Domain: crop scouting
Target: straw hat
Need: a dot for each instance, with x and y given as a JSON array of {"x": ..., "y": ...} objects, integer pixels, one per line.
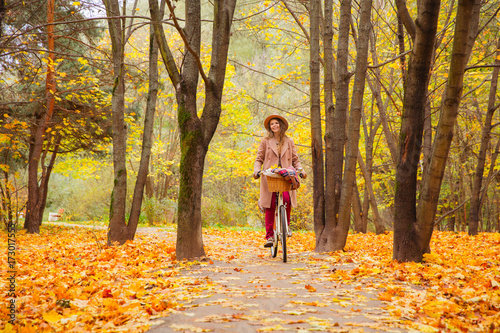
[{"x": 274, "y": 116}]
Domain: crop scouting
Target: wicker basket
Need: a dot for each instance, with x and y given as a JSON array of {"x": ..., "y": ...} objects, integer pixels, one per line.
[{"x": 278, "y": 184}]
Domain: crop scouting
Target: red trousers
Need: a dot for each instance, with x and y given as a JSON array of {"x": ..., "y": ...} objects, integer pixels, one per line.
[{"x": 270, "y": 213}]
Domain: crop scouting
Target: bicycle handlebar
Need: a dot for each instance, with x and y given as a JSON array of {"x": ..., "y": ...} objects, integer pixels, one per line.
[{"x": 301, "y": 175}]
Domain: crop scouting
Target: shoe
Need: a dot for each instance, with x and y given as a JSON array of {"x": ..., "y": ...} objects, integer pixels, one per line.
[
  {"x": 289, "y": 233},
  {"x": 269, "y": 242}
]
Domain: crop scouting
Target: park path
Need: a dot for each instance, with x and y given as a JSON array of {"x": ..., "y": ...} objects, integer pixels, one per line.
[
  {"x": 248, "y": 291},
  {"x": 240, "y": 288}
]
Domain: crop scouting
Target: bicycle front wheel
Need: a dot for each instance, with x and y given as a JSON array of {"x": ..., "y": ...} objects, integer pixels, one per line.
[
  {"x": 274, "y": 247},
  {"x": 284, "y": 226}
]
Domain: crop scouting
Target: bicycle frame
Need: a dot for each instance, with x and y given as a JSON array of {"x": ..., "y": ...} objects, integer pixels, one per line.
[{"x": 280, "y": 234}]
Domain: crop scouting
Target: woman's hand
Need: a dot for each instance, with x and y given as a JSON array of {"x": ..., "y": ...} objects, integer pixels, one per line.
[
  {"x": 302, "y": 173},
  {"x": 256, "y": 175}
]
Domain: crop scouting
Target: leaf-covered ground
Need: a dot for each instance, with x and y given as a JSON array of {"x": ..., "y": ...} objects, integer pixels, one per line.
[{"x": 68, "y": 280}]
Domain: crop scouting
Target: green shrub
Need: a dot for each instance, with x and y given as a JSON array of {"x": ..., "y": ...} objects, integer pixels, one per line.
[
  {"x": 157, "y": 211},
  {"x": 218, "y": 211},
  {"x": 81, "y": 199}
]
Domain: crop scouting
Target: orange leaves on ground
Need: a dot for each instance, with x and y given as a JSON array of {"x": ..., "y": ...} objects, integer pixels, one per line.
[
  {"x": 69, "y": 280},
  {"x": 456, "y": 286}
]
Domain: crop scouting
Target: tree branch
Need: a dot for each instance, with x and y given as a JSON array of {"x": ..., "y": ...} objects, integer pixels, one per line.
[
  {"x": 165, "y": 52},
  {"x": 406, "y": 18},
  {"x": 272, "y": 77},
  {"x": 186, "y": 43},
  {"x": 390, "y": 60},
  {"x": 481, "y": 66}
]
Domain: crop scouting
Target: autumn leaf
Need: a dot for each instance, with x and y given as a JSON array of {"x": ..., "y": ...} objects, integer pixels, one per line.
[
  {"x": 310, "y": 288},
  {"x": 52, "y": 317}
]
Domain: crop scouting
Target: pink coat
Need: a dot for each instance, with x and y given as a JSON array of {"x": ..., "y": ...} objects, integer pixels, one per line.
[{"x": 267, "y": 156}]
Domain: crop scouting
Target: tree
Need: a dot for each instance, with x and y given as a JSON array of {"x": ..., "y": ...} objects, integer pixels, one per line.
[
  {"x": 36, "y": 194},
  {"x": 147, "y": 141},
  {"x": 413, "y": 228},
  {"x": 119, "y": 230},
  {"x": 36, "y": 38},
  {"x": 195, "y": 132},
  {"x": 475, "y": 204},
  {"x": 405, "y": 234},
  {"x": 334, "y": 235},
  {"x": 316, "y": 137}
]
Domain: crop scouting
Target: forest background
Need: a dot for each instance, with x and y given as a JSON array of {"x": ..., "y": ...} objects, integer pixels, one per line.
[{"x": 268, "y": 72}]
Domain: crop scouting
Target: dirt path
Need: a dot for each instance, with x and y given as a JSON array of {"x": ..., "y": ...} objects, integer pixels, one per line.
[{"x": 253, "y": 292}]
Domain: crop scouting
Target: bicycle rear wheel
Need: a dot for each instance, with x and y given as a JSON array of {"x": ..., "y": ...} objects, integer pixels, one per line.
[{"x": 283, "y": 235}]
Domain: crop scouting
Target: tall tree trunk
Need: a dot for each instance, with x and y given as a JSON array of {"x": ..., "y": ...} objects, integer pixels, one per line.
[
  {"x": 335, "y": 239},
  {"x": 377, "y": 220},
  {"x": 316, "y": 136},
  {"x": 485, "y": 142},
  {"x": 329, "y": 179},
  {"x": 359, "y": 225},
  {"x": 193, "y": 150},
  {"x": 406, "y": 237},
  {"x": 195, "y": 132},
  {"x": 33, "y": 213},
  {"x": 491, "y": 174},
  {"x": 46, "y": 172},
  {"x": 117, "y": 231},
  {"x": 335, "y": 130},
  {"x": 453, "y": 93},
  {"x": 147, "y": 139},
  {"x": 375, "y": 87}
]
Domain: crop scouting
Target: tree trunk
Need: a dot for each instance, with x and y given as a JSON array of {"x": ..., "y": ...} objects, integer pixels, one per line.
[
  {"x": 33, "y": 214},
  {"x": 316, "y": 136},
  {"x": 359, "y": 225},
  {"x": 407, "y": 243},
  {"x": 333, "y": 239},
  {"x": 453, "y": 93},
  {"x": 375, "y": 87},
  {"x": 329, "y": 178},
  {"x": 117, "y": 231},
  {"x": 335, "y": 130},
  {"x": 147, "y": 139},
  {"x": 485, "y": 142},
  {"x": 46, "y": 172},
  {"x": 195, "y": 132},
  {"x": 493, "y": 159},
  {"x": 377, "y": 220}
]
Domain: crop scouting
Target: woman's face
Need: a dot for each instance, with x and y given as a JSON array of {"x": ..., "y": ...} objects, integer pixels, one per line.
[{"x": 274, "y": 125}]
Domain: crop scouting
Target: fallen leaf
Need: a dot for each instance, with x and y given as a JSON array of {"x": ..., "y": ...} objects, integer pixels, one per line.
[{"x": 310, "y": 288}]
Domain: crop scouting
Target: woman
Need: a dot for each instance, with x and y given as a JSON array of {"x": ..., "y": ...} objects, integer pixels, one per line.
[{"x": 275, "y": 150}]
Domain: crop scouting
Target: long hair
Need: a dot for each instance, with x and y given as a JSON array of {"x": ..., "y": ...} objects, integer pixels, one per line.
[{"x": 281, "y": 134}]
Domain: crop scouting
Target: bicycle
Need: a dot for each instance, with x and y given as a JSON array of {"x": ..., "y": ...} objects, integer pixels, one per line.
[{"x": 278, "y": 184}]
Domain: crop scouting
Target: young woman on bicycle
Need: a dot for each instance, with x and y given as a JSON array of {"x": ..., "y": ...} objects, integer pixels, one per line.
[{"x": 276, "y": 149}]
